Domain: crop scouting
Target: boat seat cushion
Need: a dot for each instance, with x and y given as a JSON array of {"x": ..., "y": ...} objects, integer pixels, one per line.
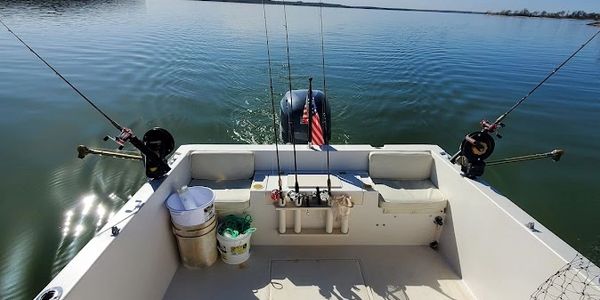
[
  {"x": 230, "y": 165},
  {"x": 400, "y": 165},
  {"x": 403, "y": 180},
  {"x": 230, "y": 194},
  {"x": 409, "y": 196}
]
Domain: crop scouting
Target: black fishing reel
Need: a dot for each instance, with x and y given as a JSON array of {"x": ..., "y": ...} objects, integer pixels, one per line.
[
  {"x": 474, "y": 149},
  {"x": 160, "y": 142},
  {"x": 155, "y": 146}
]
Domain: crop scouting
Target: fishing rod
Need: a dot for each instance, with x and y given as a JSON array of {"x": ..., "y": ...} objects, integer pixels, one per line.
[
  {"x": 295, "y": 197},
  {"x": 308, "y": 109},
  {"x": 151, "y": 148},
  {"x": 504, "y": 115},
  {"x": 478, "y": 146},
  {"x": 316, "y": 136},
  {"x": 275, "y": 194},
  {"x": 325, "y": 103}
]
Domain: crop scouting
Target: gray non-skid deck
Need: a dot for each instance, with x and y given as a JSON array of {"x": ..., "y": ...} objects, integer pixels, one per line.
[{"x": 332, "y": 272}]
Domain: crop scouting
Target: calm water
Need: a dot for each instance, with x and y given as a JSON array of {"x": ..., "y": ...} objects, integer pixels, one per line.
[{"x": 199, "y": 69}]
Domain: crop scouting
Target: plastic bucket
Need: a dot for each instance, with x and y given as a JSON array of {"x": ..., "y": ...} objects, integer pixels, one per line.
[
  {"x": 234, "y": 250},
  {"x": 197, "y": 248},
  {"x": 204, "y": 199}
]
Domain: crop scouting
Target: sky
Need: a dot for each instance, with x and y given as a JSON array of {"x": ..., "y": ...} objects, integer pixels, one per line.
[{"x": 482, "y": 5}]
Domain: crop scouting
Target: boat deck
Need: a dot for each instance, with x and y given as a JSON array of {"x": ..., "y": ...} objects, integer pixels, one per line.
[{"x": 331, "y": 272}]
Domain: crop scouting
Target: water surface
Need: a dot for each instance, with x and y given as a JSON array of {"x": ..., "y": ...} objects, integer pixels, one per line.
[{"x": 199, "y": 69}]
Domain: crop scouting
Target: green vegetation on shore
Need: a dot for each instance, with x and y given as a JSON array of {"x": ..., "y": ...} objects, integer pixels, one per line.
[{"x": 579, "y": 14}]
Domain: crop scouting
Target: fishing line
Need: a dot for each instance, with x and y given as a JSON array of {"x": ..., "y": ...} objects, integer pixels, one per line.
[
  {"x": 504, "y": 115},
  {"x": 291, "y": 103},
  {"x": 114, "y": 123},
  {"x": 275, "y": 132},
  {"x": 325, "y": 103}
]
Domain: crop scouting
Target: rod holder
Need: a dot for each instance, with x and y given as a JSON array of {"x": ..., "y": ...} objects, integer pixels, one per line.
[
  {"x": 555, "y": 155},
  {"x": 83, "y": 151},
  {"x": 329, "y": 221},
  {"x": 297, "y": 221},
  {"x": 282, "y": 221}
]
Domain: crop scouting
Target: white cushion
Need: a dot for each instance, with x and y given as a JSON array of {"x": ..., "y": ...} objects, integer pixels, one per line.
[
  {"x": 222, "y": 165},
  {"x": 400, "y": 165},
  {"x": 409, "y": 196},
  {"x": 229, "y": 194}
]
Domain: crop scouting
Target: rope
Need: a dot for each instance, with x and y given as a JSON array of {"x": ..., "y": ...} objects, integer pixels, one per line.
[{"x": 233, "y": 226}]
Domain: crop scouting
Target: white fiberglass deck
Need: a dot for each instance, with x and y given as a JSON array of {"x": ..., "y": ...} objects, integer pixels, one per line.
[{"x": 332, "y": 272}]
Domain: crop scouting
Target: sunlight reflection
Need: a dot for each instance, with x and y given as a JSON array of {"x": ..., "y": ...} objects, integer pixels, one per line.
[
  {"x": 67, "y": 223},
  {"x": 88, "y": 202},
  {"x": 80, "y": 222},
  {"x": 78, "y": 229},
  {"x": 113, "y": 197},
  {"x": 100, "y": 211}
]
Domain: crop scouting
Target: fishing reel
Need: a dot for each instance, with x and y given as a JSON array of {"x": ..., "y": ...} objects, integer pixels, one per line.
[
  {"x": 492, "y": 127},
  {"x": 296, "y": 197},
  {"x": 156, "y": 144},
  {"x": 324, "y": 197},
  {"x": 161, "y": 143},
  {"x": 122, "y": 138},
  {"x": 278, "y": 198},
  {"x": 474, "y": 149}
]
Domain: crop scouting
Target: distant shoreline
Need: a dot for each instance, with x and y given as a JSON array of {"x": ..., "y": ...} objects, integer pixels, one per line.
[
  {"x": 333, "y": 5},
  {"x": 577, "y": 15}
]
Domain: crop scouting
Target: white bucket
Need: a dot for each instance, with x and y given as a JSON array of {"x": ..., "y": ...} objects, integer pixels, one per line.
[
  {"x": 234, "y": 251},
  {"x": 204, "y": 199}
]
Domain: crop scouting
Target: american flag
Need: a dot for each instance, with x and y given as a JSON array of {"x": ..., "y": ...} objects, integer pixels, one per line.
[
  {"x": 304, "y": 119},
  {"x": 316, "y": 132}
]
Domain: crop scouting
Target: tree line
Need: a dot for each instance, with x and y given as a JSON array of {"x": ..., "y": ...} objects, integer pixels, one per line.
[{"x": 578, "y": 14}]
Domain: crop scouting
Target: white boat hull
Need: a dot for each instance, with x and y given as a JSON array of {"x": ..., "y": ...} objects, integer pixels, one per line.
[{"x": 483, "y": 243}]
